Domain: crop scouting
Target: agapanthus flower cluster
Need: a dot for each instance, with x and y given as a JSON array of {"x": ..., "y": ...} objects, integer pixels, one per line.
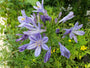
[{"x": 39, "y": 42}]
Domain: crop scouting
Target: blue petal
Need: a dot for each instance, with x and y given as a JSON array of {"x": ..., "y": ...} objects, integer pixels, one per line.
[
  {"x": 45, "y": 39},
  {"x": 80, "y": 26},
  {"x": 79, "y": 32},
  {"x": 39, "y": 26},
  {"x": 42, "y": 18},
  {"x": 23, "y": 12},
  {"x": 67, "y": 31},
  {"x": 60, "y": 14},
  {"x": 29, "y": 26},
  {"x": 31, "y": 46},
  {"x": 45, "y": 47},
  {"x": 37, "y": 51},
  {"x": 47, "y": 55},
  {"x": 30, "y": 32},
  {"x": 21, "y": 25},
  {"x": 38, "y": 4},
  {"x": 71, "y": 35},
  {"x": 42, "y": 3},
  {"x": 18, "y": 39},
  {"x": 75, "y": 38},
  {"x": 38, "y": 36},
  {"x": 69, "y": 16},
  {"x": 76, "y": 24},
  {"x": 35, "y": 7},
  {"x": 32, "y": 38},
  {"x": 22, "y": 48},
  {"x": 76, "y": 27}
]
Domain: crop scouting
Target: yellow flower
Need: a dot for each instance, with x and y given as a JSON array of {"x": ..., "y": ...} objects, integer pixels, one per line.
[
  {"x": 85, "y": 66},
  {"x": 69, "y": 40},
  {"x": 80, "y": 57},
  {"x": 83, "y": 48},
  {"x": 54, "y": 50}
]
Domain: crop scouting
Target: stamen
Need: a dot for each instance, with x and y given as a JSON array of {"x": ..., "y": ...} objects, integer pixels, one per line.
[
  {"x": 23, "y": 19},
  {"x": 38, "y": 43},
  {"x": 38, "y": 6}
]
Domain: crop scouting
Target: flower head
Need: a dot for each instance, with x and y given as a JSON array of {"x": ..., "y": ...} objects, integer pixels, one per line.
[
  {"x": 69, "y": 40},
  {"x": 69, "y": 16},
  {"x": 83, "y": 48},
  {"x": 64, "y": 51},
  {"x": 39, "y": 7},
  {"x": 37, "y": 42},
  {"x": 74, "y": 30},
  {"x": 23, "y": 19},
  {"x": 47, "y": 56}
]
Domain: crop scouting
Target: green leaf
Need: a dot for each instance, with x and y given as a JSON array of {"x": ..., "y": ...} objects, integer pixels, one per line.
[{"x": 31, "y": 2}]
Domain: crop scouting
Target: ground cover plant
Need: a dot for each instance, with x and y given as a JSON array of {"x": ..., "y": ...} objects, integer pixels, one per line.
[{"x": 58, "y": 34}]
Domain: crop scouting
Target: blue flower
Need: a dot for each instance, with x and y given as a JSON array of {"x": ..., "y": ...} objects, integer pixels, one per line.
[
  {"x": 47, "y": 55},
  {"x": 23, "y": 19},
  {"x": 74, "y": 30},
  {"x": 37, "y": 42},
  {"x": 64, "y": 51},
  {"x": 39, "y": 7},
  {"x": 69, "y": 16}
]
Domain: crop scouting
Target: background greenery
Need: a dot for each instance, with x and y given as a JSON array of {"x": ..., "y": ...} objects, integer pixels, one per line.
[{"x": 11, "y": 9}]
